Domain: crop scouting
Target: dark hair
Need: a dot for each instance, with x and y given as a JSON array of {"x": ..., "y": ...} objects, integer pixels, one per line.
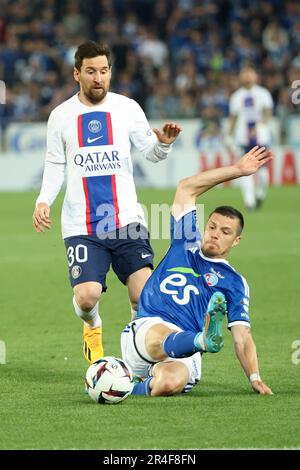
[
  {"x": 91, "y": 49},
  {"x": 232, "y": 213}
]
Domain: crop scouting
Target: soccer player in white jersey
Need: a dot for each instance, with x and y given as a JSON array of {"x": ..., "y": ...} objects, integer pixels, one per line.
[
  {"x": 184, "y": 302},
  {"x": 250, "y": 109},
  {"x": 89, "y": 137}
]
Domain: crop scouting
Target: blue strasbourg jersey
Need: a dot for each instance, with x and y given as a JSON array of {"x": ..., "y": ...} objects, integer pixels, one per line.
[{"x": 181, "y": 286}]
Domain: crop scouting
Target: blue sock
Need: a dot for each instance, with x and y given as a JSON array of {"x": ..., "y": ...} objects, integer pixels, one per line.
[
  {"x": 181, "y": 344},
  {"x": 142, "y": 388}
]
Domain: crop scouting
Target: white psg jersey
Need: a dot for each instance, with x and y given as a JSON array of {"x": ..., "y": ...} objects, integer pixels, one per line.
[
  {"x": 93, "y": 143},
  {"x": 248, "y": 106}
]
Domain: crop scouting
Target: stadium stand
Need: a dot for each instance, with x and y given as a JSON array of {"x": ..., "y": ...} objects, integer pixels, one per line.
[{"x": 175, "y": 57}]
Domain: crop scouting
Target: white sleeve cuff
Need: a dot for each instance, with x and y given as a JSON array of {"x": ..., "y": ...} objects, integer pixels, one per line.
[
  {"x": 186, "y": 211},
  {"x": 42, "y": 198},
  {"x": 159, "y": 152},
  {"x": 238, "y": 322}
]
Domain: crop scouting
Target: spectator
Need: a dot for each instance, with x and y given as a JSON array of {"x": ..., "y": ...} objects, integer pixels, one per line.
[{"x": 194, "y": 44}]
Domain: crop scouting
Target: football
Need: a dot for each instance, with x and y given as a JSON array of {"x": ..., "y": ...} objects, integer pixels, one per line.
[{"x": 109, "y": 380}]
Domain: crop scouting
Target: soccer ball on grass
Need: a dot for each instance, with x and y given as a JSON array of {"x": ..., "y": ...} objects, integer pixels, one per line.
[{"x": 109, "y": 380}]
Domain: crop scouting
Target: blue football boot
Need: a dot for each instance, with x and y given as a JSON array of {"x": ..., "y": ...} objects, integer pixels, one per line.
[{"x": 212, "y": 334}]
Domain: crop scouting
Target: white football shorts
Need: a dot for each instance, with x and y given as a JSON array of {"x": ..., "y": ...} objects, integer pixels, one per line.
[{"x": 138, "y": 359}]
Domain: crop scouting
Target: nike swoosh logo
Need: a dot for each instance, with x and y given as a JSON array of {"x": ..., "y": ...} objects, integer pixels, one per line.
[
  {"x": 144, "y": 255},
  {"x": 89, "y": 140}
]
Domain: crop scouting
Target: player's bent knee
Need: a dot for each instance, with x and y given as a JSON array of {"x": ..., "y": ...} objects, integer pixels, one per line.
[
  {"x": 154, "y": 347},
  {"x": 86, "y": 301},
  {"x": 154, "y": 341},
  {"x": 168, "y": 383},
  {"x": 172, "y": 386},
  {"x": 87, "y": 297},
  {"x": 87, "y": 304}
]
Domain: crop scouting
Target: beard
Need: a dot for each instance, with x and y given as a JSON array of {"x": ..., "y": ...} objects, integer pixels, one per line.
[
  {"x": 95, "y": 95},
  {"x": 210, "y": 250}
]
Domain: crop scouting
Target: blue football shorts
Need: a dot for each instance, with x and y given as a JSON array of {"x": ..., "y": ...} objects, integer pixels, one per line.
[{"x": 126, "y": 249}]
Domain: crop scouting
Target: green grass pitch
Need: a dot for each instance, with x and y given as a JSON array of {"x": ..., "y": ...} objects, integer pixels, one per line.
[{"x": 43, "y": 404}]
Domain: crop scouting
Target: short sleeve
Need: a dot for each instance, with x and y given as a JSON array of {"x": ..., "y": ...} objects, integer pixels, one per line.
[
  {"x": 184, "y": 228},
  {"x": 238, "y": 299}
]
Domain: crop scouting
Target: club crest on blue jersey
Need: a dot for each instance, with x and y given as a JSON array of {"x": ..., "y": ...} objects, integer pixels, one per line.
[
  {"x": 211, "y": 279},
  {"x": 94, "y": 129}
]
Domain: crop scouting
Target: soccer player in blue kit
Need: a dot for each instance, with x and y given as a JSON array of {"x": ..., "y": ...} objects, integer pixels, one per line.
[{"x": 184, "y": 302}]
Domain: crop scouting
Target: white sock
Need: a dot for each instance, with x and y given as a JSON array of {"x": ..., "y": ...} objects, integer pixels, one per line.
[
  {"x": 200, "y": 340},
  {"x": 91, "y": 318},
  {"x": 263, "y": 183},
  {"x": 133, "y": 314},
  {"x": 248, "y": 190}
]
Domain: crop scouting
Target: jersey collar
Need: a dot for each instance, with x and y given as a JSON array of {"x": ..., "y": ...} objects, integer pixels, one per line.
[{"x": 213, "y": 260}]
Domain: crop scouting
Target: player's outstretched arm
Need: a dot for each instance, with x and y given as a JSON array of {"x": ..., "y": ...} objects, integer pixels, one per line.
[
  {"x": 41, "y": 217},
  {"x": 190, "y": 188},
  {"x": 245, "y": 350},
  {"x": 169, "y": 133}
]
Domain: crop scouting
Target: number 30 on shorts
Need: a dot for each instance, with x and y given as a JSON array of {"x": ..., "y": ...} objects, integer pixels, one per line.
[{"x": 78, "y": 254}]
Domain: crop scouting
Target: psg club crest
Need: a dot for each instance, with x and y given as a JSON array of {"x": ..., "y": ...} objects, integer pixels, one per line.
[
  {"x": 94, "y": 129},
  {"x": 94, "y": 126},
  {"x": 76, "y": 272},
  {"x": 211, "y": 279}
]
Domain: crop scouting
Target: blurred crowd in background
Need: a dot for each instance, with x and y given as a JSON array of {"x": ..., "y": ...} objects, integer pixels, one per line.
[{"x": 177, "y": 58}]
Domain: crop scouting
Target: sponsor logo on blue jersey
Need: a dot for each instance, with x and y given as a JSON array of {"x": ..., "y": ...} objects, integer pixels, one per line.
[
  {"x": 94, "y": 129},
  {"x": 217, "y": 273}
]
